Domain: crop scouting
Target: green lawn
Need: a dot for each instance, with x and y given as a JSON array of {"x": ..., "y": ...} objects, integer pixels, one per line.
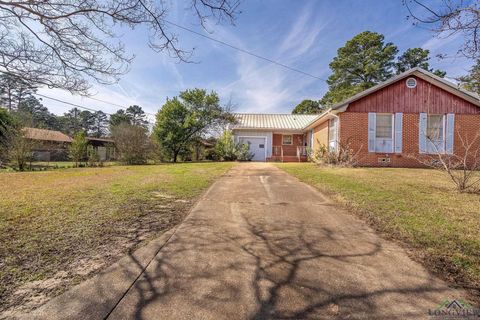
[
  {"x": 417, "y": 206},
  {"x": 61, "y": 226}
]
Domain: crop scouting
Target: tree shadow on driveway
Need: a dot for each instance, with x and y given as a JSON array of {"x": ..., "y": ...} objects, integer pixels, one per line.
[{"x": 278, "y": 269}]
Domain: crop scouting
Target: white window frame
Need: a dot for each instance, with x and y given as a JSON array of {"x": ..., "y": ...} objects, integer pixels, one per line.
[
  {"x": 333, "y": 141},
  {"x": 431, "y": 148},
  {"x": 283, "y": 139},
  {"x": 392, "y": 149}
]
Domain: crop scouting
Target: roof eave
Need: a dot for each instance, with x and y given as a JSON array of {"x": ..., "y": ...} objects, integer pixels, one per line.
[{"x": 328, "y": 114}]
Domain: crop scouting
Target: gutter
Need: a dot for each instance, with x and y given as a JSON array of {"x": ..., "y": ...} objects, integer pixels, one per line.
[{"x": 329, "y": 112}]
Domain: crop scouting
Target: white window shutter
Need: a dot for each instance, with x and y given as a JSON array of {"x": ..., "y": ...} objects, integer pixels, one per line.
[
  {"x": 450, "y": 133},
  {"x": 371, "y": 131},
  {"x": 398, "y": 132},
  {"x": 422, "y": 129}
]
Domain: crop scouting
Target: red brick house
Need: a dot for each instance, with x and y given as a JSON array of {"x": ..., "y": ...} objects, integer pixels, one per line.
[{"x": 395, "y": 122}]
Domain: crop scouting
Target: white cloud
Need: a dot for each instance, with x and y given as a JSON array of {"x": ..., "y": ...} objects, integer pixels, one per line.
[
  {"x": 263, "y": 87},
  {"x": 303, "y": 34},
  {"x": 440, "y": 41}
]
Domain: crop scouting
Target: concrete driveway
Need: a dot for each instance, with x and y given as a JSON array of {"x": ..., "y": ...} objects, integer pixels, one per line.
[{"x": 262, "y": 245}]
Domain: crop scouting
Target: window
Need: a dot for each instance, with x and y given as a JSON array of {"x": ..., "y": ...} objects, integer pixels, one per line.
[
  {"x": 384, "y": 133},
  {"x": 332, "y": 134},
  {"x": 287, "y": 139},
  {"x": 435, "y": 133}
]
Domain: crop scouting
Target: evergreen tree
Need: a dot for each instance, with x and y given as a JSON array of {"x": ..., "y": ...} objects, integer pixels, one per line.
[
  {"x": 137, "y": 116},
  {"x": 471, "y": 81},
  {"x": 363, "y": 62},
  {"x": 308, "y": 107},
  {"x": 416, "y": 57}
]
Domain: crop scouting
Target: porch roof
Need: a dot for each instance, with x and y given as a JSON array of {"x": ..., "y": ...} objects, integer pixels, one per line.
[{"x": 273, "y": 121}]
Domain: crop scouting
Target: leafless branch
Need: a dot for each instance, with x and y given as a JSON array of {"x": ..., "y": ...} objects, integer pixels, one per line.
[
  {"x": 462, "y": 166},
  {"x": 68, "y": 43},
  {"x": 452, "y": 17}
]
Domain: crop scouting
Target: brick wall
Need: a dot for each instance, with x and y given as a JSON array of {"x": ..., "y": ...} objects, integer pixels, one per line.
[
  {"x": 288, "y": 150},
  {"x": 354, "y": 134}
]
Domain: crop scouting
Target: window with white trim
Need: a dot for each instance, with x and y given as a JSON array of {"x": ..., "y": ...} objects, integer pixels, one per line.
[
  {"x": 384, "y": 132},
  {"x": 435, "y": 133},
  {"x": 287, "y": 139}
]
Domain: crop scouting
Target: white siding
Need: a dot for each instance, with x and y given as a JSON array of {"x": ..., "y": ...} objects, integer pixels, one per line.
[{"x": 256, "y": 133}]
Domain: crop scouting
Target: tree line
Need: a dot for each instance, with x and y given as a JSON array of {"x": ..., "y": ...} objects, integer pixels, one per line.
[
  {"x": 18, "y": 97},
  {"x": 182, "y": 124}
]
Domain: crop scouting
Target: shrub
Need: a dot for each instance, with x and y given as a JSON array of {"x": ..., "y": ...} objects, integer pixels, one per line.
[
  {"x": 132, "y": 143},
  {"x": 19, "y": 148},
  {"x": 344, "y": 156},
  {"x": 78, "y": 148},
  {"x": 243, "y": 152},
  {"x": 225, "y": 148},
  {"x": 93, "y": 157},
  {"x": 211, "y": 154}
]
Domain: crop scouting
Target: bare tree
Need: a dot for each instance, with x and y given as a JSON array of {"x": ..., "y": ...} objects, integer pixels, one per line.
[
  {"x": 132, "y": 143},
  {"x": 343, "y": 155},
  {"x": 462, "y": 167},
  {"x": 19, "y": 148},
  {"x": 66, "y": 43},
  {"x": 449, "y": 18}
]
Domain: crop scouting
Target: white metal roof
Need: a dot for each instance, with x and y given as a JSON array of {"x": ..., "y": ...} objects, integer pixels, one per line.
[{"x": 273, "y": 121}]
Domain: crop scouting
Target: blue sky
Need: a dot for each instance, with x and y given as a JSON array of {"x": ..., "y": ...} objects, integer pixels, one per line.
[{"x": 301, "y": 34}]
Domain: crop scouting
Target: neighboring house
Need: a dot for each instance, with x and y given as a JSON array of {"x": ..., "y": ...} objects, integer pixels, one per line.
[
  {"x": 53, "y": 145},
  {"x": 50, "y": 145},
  {"x": 396, "y": 122}
]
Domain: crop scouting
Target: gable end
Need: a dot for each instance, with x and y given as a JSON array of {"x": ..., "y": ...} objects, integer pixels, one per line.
[{"x": 425, "y": 97}]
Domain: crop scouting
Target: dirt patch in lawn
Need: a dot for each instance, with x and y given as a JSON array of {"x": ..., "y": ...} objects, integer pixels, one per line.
[
  {"x": 154, "y": 220},
  {"x": 60, "y": 228}
]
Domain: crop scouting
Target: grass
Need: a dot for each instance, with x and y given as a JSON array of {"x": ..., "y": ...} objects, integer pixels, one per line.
[
  {"x": 418, "y": 206},
  {"x": 74, "y": 220}
]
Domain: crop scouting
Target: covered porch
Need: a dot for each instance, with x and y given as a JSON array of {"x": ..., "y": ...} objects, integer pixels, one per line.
[{"x": 290, "y": 147}]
